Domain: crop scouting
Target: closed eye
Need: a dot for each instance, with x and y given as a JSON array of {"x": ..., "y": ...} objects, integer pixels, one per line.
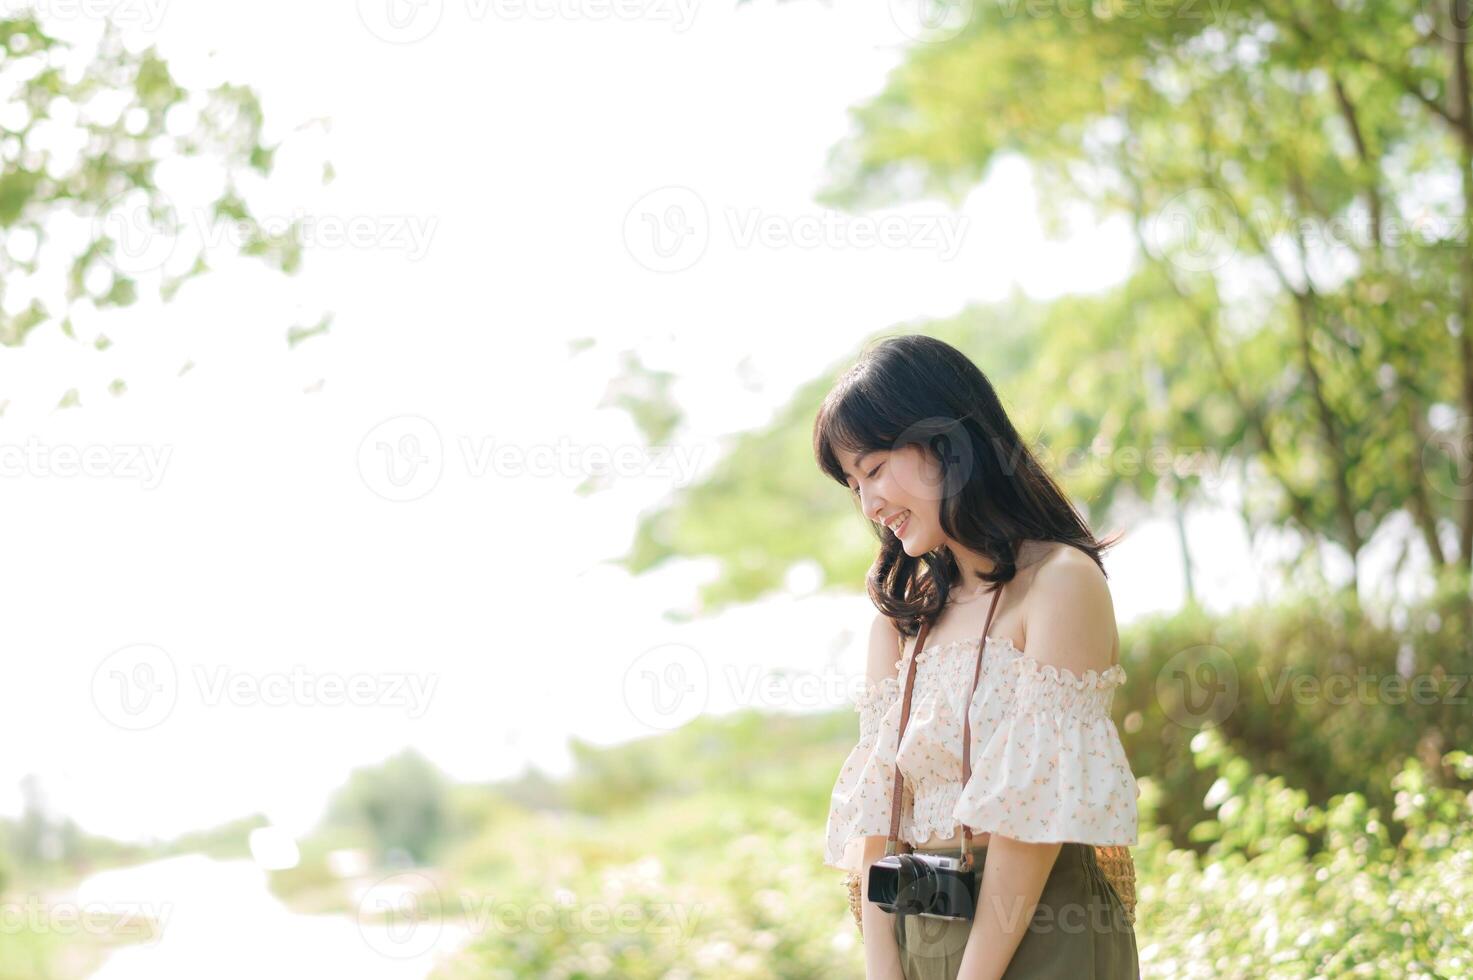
[{"x": 870, "y": 474}]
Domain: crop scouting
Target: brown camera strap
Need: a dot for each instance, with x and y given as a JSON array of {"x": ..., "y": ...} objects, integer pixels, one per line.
[{"x": 910, "y": 677}]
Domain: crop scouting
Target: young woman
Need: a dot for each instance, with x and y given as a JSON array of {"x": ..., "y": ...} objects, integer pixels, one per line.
[{"x": 970, "y": 524}]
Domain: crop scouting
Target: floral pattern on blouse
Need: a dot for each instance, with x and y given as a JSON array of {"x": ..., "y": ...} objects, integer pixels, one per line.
[{"x": 1047, "y": 761}]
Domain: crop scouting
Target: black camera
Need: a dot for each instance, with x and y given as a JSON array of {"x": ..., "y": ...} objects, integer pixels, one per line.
[{"x": 932, "y": 885}]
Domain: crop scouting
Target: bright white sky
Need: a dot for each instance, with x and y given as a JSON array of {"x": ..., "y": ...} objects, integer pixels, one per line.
[{"x": 520, "y": 146}]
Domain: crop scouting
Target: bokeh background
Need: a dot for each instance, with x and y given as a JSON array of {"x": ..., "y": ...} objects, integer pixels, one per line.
[{"x": 415, "y": 561}]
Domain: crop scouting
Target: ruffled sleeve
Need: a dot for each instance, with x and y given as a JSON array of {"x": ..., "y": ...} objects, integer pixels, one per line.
[
  {"x": 860, "y": 806},
  {"x": 1053, "y": 769}
]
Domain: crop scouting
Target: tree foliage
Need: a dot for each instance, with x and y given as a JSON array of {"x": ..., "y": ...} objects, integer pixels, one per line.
[
  {"x": 1298, "y": 179},
  {"x": 85, "y": 221},
  {"x": 401, "y": 804}
]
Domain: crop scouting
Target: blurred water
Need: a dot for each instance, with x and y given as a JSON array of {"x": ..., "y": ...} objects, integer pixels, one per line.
[{"x": 219, "y": 919}]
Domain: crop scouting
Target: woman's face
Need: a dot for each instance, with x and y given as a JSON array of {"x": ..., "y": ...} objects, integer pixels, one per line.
[{"x": 900, "y": 489}]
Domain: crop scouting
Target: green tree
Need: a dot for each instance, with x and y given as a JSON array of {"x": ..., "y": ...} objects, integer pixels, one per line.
[
  {"x": 402, "y": 805},
  {"x": 1299, "y": 181},
  {"x": 1280, "y": 164},
  {"x": 128, "y": 115}
]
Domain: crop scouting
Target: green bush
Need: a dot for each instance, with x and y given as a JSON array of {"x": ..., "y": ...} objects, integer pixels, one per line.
[
  {"x": 1326, "y": 739},
  {"x": 1259, "y": 903},
  {"x": 402, "y": 804},
  {"x": 722, "y": 883}
]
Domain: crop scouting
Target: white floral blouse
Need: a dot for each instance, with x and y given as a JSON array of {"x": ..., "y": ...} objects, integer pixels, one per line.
[{"x": 1047, "y": 762}]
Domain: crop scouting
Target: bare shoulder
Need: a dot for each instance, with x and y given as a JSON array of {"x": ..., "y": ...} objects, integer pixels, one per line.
[
  {"x": 884, "y": 648},
  {"x": 1070, "y": 616}
]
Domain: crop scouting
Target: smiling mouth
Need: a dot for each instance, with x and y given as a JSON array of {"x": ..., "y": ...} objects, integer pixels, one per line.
[{"x": 895, "y": 529}]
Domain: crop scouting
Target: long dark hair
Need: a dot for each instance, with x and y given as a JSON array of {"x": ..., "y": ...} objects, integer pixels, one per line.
[{"x": 917, "y": 390}]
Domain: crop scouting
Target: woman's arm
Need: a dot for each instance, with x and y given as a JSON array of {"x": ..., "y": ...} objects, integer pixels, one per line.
[
  {"x": 881, "y": 955},
  {"x": 1012, "y": 881},
  {"x": 1070, "y": 625}
]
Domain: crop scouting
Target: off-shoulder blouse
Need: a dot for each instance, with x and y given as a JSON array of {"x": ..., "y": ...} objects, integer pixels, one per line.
[{"x": 1047, "y": 761}]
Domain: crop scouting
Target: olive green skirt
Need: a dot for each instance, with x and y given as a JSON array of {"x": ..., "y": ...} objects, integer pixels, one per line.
[{"x": 1078, "y": 931}]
